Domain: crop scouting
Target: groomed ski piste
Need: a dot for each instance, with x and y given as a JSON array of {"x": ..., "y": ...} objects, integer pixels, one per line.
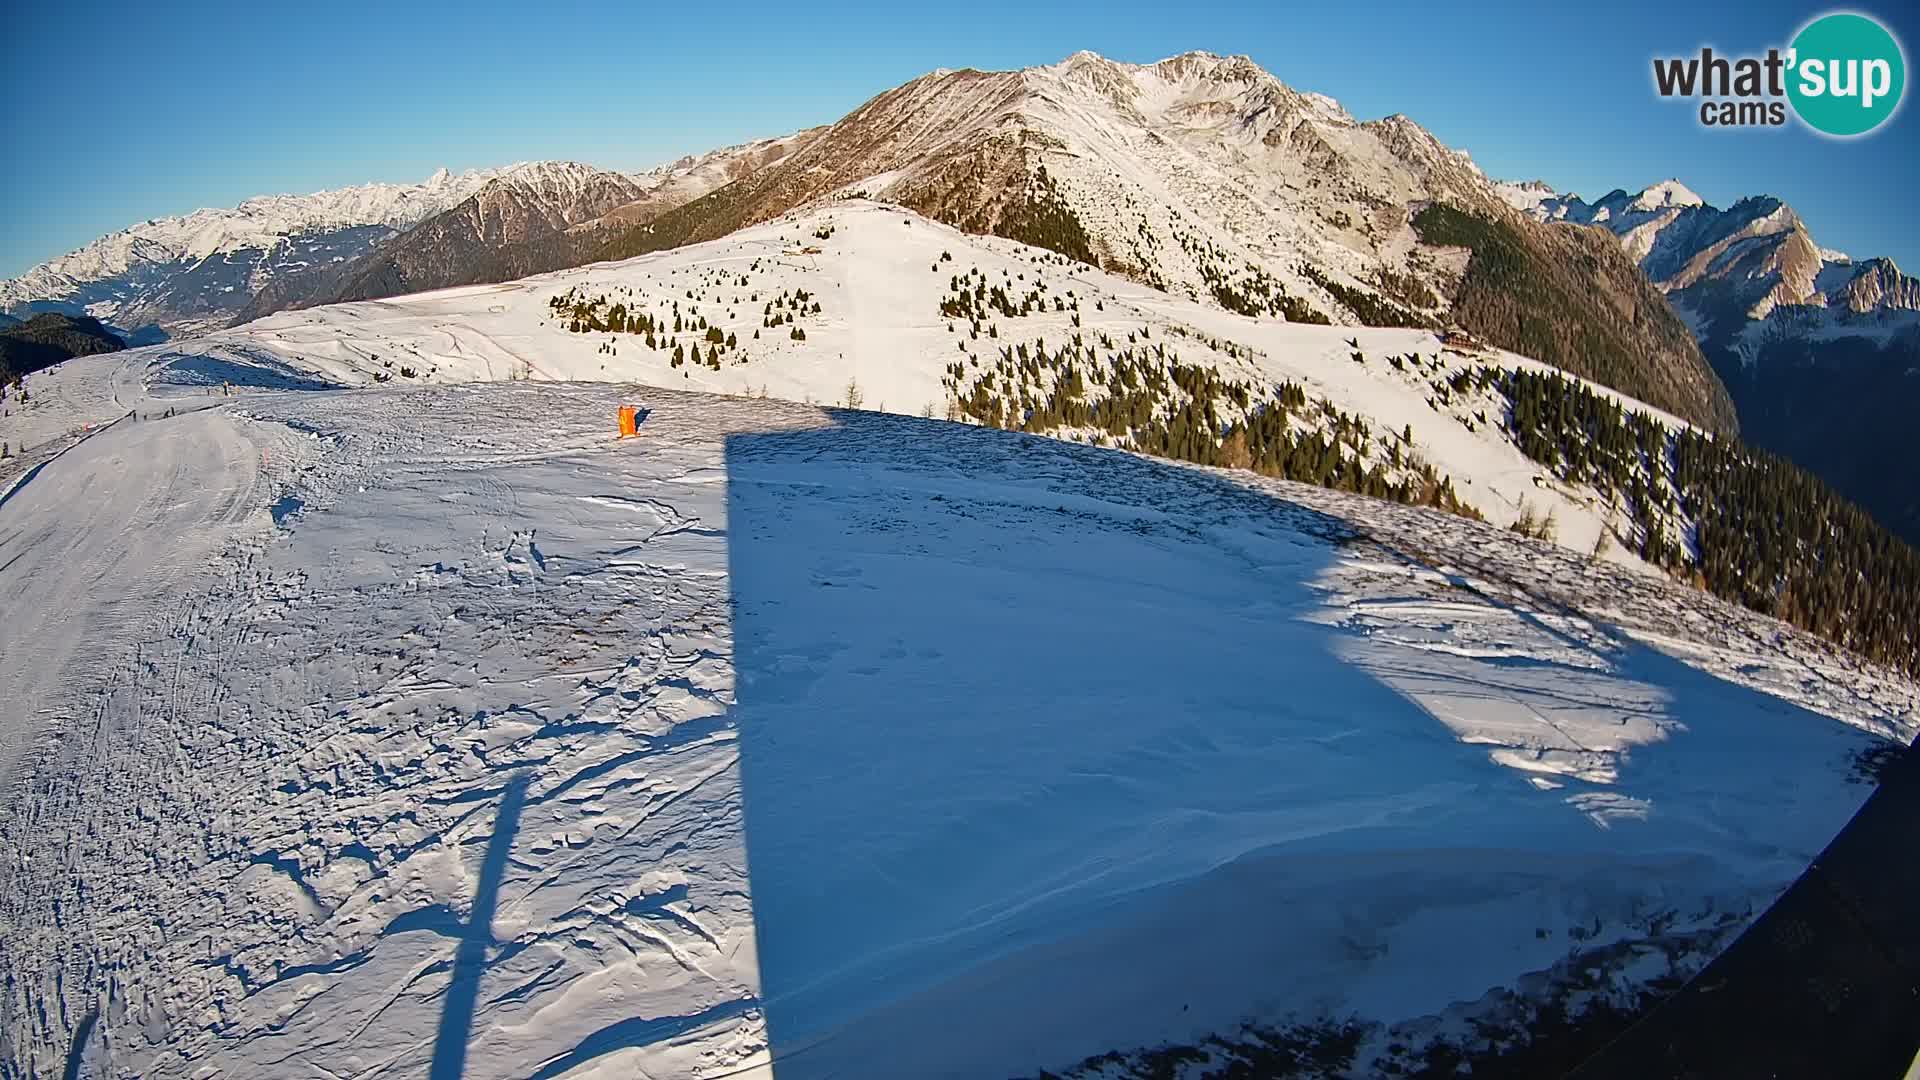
[{"x": 363, "y": 729}]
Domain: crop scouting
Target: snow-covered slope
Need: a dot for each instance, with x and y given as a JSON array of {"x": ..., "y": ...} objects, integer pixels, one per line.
[
  {"x": 448, "y": 736},
  {"x": 879, "y": 276},
  {"x": 687, "y": 178},
  {"x": 1208, "y": 178},
  {"x": 193, "y": 271}
]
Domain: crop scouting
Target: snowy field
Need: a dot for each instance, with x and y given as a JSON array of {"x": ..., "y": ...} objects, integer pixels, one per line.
[
  {"x": 431, "y": 732},
  {"x": 879, "y": 275}
]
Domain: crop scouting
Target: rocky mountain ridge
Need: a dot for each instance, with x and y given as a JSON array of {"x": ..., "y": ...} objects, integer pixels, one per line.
[{"x": 1207, "y": 177}]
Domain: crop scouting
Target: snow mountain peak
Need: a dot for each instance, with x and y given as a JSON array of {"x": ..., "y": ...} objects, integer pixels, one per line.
[
  {"x": 1667, "y": 193},
  {"x": 566, "y": 191},
  {"x": 1726, "y": 269},
  {"x": 1199, "y": 175}
]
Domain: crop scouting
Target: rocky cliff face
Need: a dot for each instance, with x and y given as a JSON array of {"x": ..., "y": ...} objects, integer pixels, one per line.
[{"x": 1726, "y": 268}]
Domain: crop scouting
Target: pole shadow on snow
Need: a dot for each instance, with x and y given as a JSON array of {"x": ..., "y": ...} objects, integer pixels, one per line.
[
  {"x": 470, "y": 960},
  {"x": 1065, "y": 730}
]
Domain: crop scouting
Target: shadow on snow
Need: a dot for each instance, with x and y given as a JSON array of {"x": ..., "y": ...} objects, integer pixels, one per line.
[
  {"x": 1063, "y": 731},
  {"x": 470, "y": 959}
]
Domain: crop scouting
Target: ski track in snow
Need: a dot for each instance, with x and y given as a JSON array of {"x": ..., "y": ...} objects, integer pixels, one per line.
[
  {"x": 122, "y": 508},
  {"x": 830, "y": 739}
]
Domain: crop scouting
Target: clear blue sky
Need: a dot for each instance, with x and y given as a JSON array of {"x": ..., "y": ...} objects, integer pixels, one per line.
[{"x": 119, "y": 112}]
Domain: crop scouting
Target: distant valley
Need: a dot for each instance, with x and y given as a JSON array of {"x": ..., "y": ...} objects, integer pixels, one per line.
[{"x": 1820, "y": 350}]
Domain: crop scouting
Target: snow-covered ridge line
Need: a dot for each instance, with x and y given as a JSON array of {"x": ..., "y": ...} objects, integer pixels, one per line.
[
  {"x": 256, "y": 222},
  {"x": 262, "y": 220},
  {"x": 189, "y": 274}
]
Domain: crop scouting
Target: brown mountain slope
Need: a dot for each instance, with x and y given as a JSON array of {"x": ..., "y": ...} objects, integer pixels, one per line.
[{"x": 1207, "y": 177}]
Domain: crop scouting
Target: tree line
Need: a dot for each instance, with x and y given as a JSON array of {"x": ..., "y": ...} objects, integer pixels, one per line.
[{"x": 1747, "y": 525}]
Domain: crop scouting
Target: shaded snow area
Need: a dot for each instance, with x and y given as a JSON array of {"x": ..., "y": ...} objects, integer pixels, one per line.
[{"x": 432, "y": 732}]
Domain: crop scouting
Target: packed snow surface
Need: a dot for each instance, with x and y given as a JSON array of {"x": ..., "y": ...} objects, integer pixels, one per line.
[{"x": 434, "y": 732}]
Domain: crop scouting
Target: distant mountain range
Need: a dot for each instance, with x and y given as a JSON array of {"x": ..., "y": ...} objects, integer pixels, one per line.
[
  {"x": 1203, "y": 176},
  {"x": 532, "y": 218},
  {"x": 1727, "y": 269},
  {"x": 209, "y": 269},
  {"x": 497, "y": 233},
  {"x": 182, "y": 274},
  {"x": 1821, "y": 351}
]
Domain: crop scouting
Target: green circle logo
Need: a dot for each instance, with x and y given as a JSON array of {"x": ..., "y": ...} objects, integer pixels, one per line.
[{"x": 1847, "y": 74}]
